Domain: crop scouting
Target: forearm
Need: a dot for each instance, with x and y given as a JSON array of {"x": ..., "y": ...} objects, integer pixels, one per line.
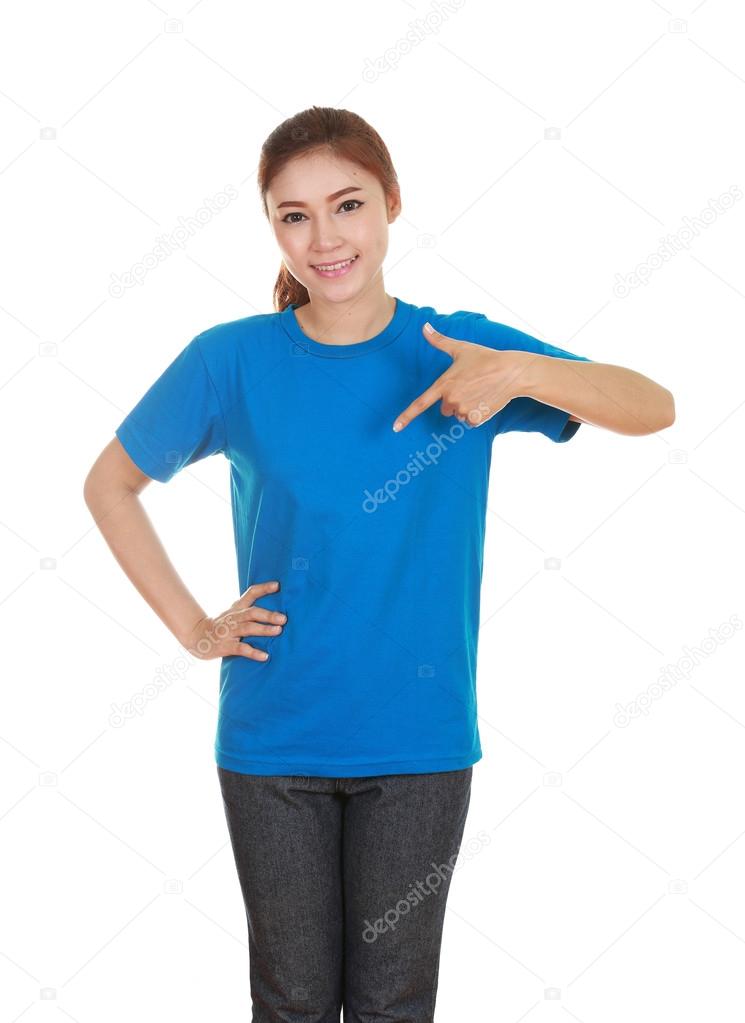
[
  {"x": 613, "y": 397},
  {"x": 127, "y": 529}
]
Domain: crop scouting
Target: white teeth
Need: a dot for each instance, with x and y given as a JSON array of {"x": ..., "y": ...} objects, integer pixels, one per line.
[{"x": 335, "y": 266}]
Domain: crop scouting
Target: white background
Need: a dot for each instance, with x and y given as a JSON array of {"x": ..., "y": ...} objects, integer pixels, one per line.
[{"x": 543, "y": 151}]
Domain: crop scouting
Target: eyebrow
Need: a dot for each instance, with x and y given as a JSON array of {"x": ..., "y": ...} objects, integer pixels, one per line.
[{"x": 330, "y": 198}]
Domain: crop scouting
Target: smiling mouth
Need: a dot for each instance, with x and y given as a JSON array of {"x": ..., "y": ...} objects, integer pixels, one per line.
[{"x": 333, "y": 266}]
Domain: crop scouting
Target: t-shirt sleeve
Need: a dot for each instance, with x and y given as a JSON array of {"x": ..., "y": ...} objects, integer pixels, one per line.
[
  {"x": 177, "y": 421},
  {"x": 524, "y": 413}
]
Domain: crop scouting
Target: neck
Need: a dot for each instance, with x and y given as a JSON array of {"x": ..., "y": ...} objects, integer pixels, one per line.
[{"x": 344, "y": 323}]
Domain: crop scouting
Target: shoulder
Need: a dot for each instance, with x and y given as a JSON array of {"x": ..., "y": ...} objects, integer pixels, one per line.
[
  {"x": 460, "y": 323},
  {"x": 221, "y": 342},
  {"x": 235, "y": 331},
  {"x": 469, "y": 325}
]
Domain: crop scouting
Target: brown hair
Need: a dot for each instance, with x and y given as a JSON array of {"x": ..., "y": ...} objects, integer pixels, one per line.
[{"x": 344, "y": 134}]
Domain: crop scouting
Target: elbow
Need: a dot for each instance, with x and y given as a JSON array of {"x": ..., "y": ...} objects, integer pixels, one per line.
[
  {"x": 102, "y": 490},
  {"x": 92, "y": 493},
  {"x": 94, "y": 485},
  {"x": 88, "y": 488},
  {"x": 668, "y": 410},
  {"x": 658, "y": 416}
]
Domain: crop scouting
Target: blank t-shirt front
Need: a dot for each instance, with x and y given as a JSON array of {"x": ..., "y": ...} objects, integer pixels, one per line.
[{"x": 376, "y": 537}]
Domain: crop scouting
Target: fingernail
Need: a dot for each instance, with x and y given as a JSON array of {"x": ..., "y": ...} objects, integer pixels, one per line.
[
  {"x": 397, "y": 426},
  {"x": 429, "y": 328}
]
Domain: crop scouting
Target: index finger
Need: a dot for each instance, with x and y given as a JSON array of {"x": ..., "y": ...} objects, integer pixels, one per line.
[
  {"x": 425, "y": 400},
  {"x": 256, "y": 590}
]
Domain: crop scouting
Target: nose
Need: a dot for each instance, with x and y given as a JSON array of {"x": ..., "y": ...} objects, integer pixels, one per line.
[{"x": 324, "y": 236}]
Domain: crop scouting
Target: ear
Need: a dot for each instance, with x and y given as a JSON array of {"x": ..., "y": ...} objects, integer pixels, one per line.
[{"x": 393, "y": 202}]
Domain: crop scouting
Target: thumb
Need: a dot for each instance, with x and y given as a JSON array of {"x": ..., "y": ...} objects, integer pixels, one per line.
[{"x": 441, "y": 341}]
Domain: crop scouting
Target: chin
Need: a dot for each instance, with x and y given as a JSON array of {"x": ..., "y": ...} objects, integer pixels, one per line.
[{"x": 333, "y": 290}]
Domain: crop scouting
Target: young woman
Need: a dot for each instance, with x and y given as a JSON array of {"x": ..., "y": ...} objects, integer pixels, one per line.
[{"x": 360, "y": 443}]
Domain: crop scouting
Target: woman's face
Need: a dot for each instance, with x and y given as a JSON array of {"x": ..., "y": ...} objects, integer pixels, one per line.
[{"x": 313, "y": 229}]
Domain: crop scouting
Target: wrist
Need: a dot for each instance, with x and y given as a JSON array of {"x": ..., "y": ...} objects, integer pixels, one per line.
[
  {"x": 186, "y": 636},
  {"x": 529, "y": 372}
]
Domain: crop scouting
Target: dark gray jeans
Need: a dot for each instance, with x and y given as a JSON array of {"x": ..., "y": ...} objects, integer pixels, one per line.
[{"x": 344, "y": 882}]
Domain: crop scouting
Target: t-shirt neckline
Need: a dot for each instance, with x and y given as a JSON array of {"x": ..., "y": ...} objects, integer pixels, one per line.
[{"x": 389, "y": 333}]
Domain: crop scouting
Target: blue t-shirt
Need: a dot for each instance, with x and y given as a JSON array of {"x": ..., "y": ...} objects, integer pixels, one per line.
[{"x": 376, "y": 537}]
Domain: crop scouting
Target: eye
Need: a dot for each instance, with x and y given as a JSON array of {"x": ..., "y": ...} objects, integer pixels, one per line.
[{"x": 346, "y": 202}]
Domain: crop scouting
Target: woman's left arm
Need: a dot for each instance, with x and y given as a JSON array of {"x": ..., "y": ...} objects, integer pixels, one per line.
[
  {"x": 481, "y": 381},
  {"x": 598, "y": 393}
]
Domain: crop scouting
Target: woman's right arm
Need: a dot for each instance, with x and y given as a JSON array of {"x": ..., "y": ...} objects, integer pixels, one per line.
[{"x": 111, "y": 492}]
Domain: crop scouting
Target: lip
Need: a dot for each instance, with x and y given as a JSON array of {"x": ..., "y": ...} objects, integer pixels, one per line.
[{"x": 336, "y": 273}]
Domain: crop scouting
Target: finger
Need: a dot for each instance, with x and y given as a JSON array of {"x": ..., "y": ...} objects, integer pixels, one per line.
[
  {"x": 240, "y": 649},
  {"x": 441, "y": 341},
  {"x": 425, "y": 400},
  {"x": 257, "y": 614},
  {"x": 257, "y": 629},
  {"x": 246, "y": 625},
  {"x": 256, "y": 590}
]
